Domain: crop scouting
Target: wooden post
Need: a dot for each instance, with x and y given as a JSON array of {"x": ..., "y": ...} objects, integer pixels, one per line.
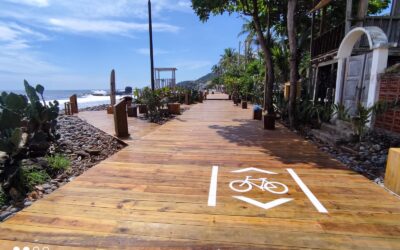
[
  {"x": 112, "y": 88},
  {"x": 349, "y": 15},
  {"x": 200, "y": 96},
  {"x": 151, "y": 46},
  {"x": 120, "y": 119},
  {"x": 74, "y": 104},
  {"x": 392, "y": 176},
  {"x": 187, "y": 99},
  {"x": 67, "y": 108}
]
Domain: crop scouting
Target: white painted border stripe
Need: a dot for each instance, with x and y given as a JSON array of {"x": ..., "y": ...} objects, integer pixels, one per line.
[
  {"x": 308, "y": 192},
  {"x": 212, "y": 195}
]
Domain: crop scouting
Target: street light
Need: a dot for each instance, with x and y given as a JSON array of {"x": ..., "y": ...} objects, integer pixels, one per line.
[{"x": 151, "y": 47}]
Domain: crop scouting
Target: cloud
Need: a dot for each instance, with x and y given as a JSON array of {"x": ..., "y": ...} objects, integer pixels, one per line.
[
  {"x": 14, "y": 36},
  {"x": 36, "y": 3},
  {"x": 106, "y": 26},
  {"x": 146, "y": 51},
  {"x": 192, "y": 64}
]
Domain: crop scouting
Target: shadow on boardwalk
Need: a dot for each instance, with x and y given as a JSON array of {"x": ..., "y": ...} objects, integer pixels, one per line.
[{"x": 281, "y": 144}]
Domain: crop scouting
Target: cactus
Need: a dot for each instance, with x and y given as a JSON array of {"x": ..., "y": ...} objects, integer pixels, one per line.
[
  {"x": 27, "y": 126},
  {"x": 42, "y": 120}
]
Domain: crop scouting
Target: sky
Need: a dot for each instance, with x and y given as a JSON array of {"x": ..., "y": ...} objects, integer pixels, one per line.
[{"x": 68, "y": 44}]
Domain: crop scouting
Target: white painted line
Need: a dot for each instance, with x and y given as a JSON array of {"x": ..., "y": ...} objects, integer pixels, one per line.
[
  {"x": 212, "y": 195},
  {"x": 267, "y": 205},
  {"x": 252, "y": 169},
  {"x": 307, "y": 191}
]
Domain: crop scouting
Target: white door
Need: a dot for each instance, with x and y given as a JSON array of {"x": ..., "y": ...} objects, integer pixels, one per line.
[{"x": 356, "y": 84}]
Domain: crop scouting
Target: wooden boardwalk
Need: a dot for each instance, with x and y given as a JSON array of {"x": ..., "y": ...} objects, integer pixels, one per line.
[{"x": 156, "y": 194}]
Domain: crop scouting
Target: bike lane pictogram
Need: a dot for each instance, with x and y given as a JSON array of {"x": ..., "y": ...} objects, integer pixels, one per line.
[{"x": 246, "y": 182}]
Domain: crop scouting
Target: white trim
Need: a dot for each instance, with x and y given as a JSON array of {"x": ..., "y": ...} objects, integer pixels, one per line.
[
  {"x": 253, "y": 169},
  {"x": 307, "y": 192},
  {"x": 212, "y": 195},
  {"x": 267, "y": 205}
]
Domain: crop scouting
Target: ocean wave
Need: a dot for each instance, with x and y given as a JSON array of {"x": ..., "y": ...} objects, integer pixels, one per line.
[{"x": 89, "y": 100}]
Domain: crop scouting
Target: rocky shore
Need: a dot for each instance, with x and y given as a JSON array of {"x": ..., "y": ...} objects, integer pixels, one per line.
[{"x": 84, "y": 146}]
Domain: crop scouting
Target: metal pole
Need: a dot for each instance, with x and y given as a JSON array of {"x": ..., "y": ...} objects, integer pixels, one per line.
[{"x": 151, "y": 47}]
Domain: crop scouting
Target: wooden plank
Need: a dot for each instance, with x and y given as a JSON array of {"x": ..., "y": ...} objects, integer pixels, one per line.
[{"x": 153, "y": 194}]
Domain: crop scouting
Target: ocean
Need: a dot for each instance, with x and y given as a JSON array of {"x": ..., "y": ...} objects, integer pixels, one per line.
[{"x": 85, "y": 97}]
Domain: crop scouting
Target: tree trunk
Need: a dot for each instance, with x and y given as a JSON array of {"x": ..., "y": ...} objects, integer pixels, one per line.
[
  {"x": 269, "y": 69},
  {"x": 291, "y": 29},
  {"x": 362, "y": 12}
]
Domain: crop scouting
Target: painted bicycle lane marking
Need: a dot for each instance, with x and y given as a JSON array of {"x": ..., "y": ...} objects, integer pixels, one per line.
[{"x": 248, "y": 183}]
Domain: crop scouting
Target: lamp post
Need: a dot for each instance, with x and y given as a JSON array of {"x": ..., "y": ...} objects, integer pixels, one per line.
[{"x": 151, "y": 47}]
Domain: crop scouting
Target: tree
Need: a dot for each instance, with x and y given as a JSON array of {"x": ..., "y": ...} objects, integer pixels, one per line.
[
  {"x": 263, "y": 15},
  {"x": 291, "y": 30}
]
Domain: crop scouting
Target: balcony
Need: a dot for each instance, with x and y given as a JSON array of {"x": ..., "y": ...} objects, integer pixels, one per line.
[{"x": 329, "y": 42}]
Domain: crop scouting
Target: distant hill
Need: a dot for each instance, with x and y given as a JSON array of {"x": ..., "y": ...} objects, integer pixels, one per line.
[{"x": 199, "y": 83}]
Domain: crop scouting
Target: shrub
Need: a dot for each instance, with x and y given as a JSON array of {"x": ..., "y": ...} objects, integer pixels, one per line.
[
  {"x": 58, "y": 162},
  {"x": 30, "y": 177},
  {"x": 27, "y": 126}
]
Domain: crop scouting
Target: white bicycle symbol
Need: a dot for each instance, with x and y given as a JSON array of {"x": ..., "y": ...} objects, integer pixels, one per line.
[{"x": 246, "y": 185}]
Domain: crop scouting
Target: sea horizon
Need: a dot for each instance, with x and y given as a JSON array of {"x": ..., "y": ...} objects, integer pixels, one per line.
[{"x": 85, "y": 96}]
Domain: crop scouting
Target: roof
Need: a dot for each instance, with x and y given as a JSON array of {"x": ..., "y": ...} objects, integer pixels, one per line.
[
  {"x": 321, "y": 5},
  {"x": 165, "y": 69}
]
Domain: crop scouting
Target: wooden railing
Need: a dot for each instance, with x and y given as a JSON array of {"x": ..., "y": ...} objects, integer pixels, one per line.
[
  {"x": 330, "y": 40},
  {"x": 389, "y": 24}
]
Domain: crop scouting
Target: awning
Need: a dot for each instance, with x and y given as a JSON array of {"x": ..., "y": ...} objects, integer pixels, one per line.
[{"x": 320, "y": 5}]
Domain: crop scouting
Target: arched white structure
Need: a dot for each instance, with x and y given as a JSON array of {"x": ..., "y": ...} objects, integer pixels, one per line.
[{"x": 378, "y": 42}]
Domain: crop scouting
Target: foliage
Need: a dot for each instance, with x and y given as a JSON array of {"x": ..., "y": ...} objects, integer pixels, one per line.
[
  {"x": 58, "y": 162},
  {"x": 42, "y": 120},
  {"x": 152, "y": 100},
  {"x": 30, "y": 177},
  {"x": 27, "y": 126},
  {"x": 341, "y": 112},
  {"x": 363, "y": 116}
]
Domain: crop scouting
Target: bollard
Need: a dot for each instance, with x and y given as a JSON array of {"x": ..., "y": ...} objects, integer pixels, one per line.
[
  {"x": 74, "y": 104},
  {"x": 120, "y": 119}
]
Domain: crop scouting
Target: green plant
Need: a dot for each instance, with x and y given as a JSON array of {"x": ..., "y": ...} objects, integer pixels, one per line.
[
  {"x": 154, "y": 104},
  {"x": 363, "y": 116},
  {"x": 341, "y": 112},
  {"x": 30, "y": 177},
  {"x": 27, "y": 126},
  {"x": 58, "y": 162},
  {"x": 12, "y": 141},
  {"x": 42, "y": 121}
]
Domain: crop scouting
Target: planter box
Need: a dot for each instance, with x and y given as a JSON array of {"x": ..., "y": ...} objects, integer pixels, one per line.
[
  {"x": 174, "y": 108},
  {"x": 142, "y": 109},
  {"x": 257, "y": 114},
  {"x": 244, "y": 105},
  {"x": 187, "y": 99},
  {"x": 132, "y": 111},
  {"x": 392, "y": 176},
  {"x": 269, "y": 121}
]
